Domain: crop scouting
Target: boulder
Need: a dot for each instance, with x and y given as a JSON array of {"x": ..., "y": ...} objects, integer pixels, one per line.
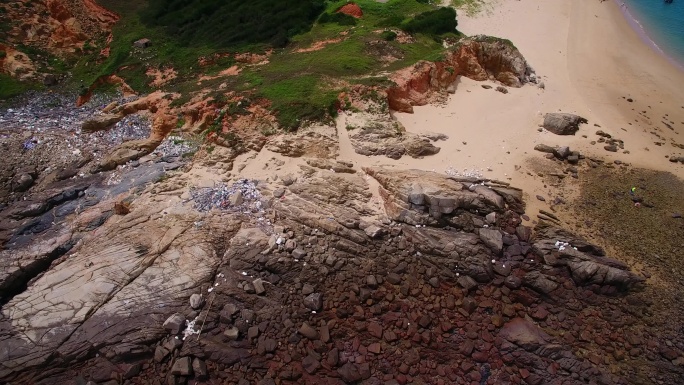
[
  {"x": 493, "y": 239},
  {"x": 524, "y": 333},
  {"x": 314, "y": 301},
  {"x": 182, "y": 367},
  {"x": 309, "y": 332},
  {"x": 196, "y": 301},
  {"x": 175, "y": 323},
  {"x": 562, "y": 123}
]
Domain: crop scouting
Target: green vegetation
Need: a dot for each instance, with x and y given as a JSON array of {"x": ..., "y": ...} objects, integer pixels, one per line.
[
  {"x": 11, "y": 87},
  {"x": 336, "y": 17},
  {"x": 389, "y": 35},
  {"x": 301, "y": 82},
  {"x": 434, "y": 23},
  {"x": 471, "y": 7},
  {"x": 231, "y": 23}
]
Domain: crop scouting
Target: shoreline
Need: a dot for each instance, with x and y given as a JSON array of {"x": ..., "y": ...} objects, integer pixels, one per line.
[{"x": 645, "y": 37}]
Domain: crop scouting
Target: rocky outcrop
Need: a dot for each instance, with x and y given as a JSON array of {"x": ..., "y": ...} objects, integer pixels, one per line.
[
  {"x": 86, "y": 94},
  {"x": 426, "y": 198},
  {"x": 163, "y": 122},
  {"x": 586, "y": 263},
  {"x": 320, "y": 282},
  {"x": 562, "y": 123},
  {"x": 58, "y": 26},
  {"x": 479, "y": 58},
  {"x": 15, "y": 63},
  {"x": 304, "y": 143},
  {"x": 391, "y": 141}
]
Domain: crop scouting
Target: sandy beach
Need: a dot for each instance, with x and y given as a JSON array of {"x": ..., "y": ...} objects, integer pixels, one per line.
[{"x": 591, "y": 61}]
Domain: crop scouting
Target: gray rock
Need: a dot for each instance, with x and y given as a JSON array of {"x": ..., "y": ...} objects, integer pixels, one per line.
[
  {"x": 539, "y": 282},
  {"x": 544, "y": 148},
  {"x": 253, "y": 332},
  {"x": 309, "y": 332},
  {"x": 492, "y": 238},
  {"x": 307, "y": 289},
  {"x": 573, "y": 159},
  {"x": 258, "y": 285},
  {"x": 288, "y": 179},
  {"x": 232, "y": 333},
  {"x": 491, "y": 218},
  {"x": 22, "y": 182},
  {"x": 160, "y": 353},
  {"x": 196, "y": 301},
  {"x": 279, "y": 192},
  {"x": 374, "y": 231},
  {"x": 393, "y": 278},
  {"x": 290, "y": 245},
  {"x": 199, "y": 367},
  {"x": 175, "y": 323},
  {"x": 228, "y": 312},
  {"x": 610, "y": 148},
  {"x": 501, "y": 89},
  {"x": 563, "y": 123},
  {"x": 512, "y": 282},
  {"x": 236, "y": 199},
  {"x": 467, "y": 283},
  {"x": 298, "y": 253},
  {"x": 182, "y": 367},
  {"x": 562, "y": 152},
  {"x": 314, "y": 301}
]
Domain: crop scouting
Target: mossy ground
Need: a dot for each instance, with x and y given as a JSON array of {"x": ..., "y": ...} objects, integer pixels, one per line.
[{"x": 650, "y": 239}]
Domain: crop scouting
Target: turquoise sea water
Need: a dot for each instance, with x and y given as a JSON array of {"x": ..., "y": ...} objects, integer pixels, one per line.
[{"x": 661, "y": 23}]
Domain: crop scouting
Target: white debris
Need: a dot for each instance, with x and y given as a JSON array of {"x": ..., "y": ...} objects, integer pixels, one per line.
[{"x": 190, "y": 329}]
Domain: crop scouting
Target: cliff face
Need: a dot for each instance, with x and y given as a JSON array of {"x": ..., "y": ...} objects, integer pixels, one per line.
[
  {"x": 479, "y": 58},
  {"x": 58, "y": 26}
]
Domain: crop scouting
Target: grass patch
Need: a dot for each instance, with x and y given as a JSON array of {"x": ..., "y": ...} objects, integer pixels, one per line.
[{"x": 11, "y": 87}]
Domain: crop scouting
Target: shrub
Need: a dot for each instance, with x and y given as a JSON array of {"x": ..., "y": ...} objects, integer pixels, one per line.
[
  {"x": 434, "y": 23},
  {"x": 337, "y": 17},
  {"x": 389, "y": 35},
  {"x": 233, "y": 23}
]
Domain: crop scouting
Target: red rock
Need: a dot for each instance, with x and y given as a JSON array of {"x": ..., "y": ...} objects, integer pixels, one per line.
[
  {"x": 540, "y": 313},
  {"x": 375, "y": 329},
  {"x": 374, "y": 348},
  {"x": 480, "y": 356},
  {"x": 351, "y": 9}
]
